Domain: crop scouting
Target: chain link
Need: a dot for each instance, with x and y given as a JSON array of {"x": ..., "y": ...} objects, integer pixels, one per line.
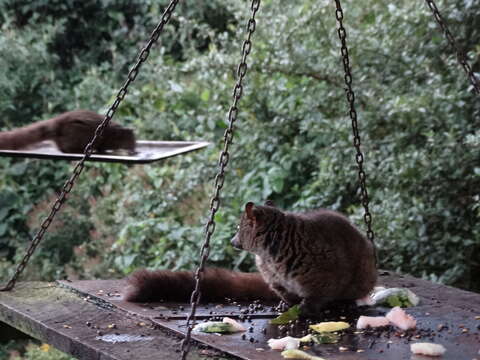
[
  {"x": 67, "y": 187},
  {"x": 220, "y": 177},
  {"x": 461, "y": 56},
  {"x": 359, "y": 158}
]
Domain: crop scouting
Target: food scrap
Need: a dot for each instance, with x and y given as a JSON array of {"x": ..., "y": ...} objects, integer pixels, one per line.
[
  {"x": 284, "y": 318},
  {"x": 372, "y": 321},
  {"x": 365, "y": 301},
  {"x": 330, "y": 326},
  {"x": 321, "y": 338},
  {"x": 298, "y": 354},
  {"x": 401, "y": 319},
  {"x": 289, "y": 342},
  {"x": 429, "y": 349},
  {"x": 285, "y": 343},
  {"x": 235, "y": 324},
  {"x": 395, "y": 297},
  {"x": 215, "y": 327}
]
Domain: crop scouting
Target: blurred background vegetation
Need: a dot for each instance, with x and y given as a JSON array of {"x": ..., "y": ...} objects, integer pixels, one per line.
[{"x": 419, "y": 122}]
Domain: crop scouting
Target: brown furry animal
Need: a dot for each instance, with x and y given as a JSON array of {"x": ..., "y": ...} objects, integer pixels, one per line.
[
  {"x": 309, "y": 258},
  {"x": 71, "y": 132}
]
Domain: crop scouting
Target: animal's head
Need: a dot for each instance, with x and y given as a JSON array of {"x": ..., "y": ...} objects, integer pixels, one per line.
[
  {"x": 127, "y": 139},
  {"x": 120, "y": 137},
  {"x": 256, "y": 222}
]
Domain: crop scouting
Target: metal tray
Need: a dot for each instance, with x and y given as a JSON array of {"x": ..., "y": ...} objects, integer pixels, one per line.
[{"x": 146, "y": 152}]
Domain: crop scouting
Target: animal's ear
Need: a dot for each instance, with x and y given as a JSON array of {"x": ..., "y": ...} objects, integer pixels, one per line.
[
  {"x": 254, "y": 213},
  {"x": 249, "y": 210},
  {"x": 270, "y": 203}
]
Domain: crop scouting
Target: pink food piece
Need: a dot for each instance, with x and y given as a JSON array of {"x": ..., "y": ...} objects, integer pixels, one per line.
[
  {"x": 398, "y": 317},
  {"x": 372, "y": 321}
]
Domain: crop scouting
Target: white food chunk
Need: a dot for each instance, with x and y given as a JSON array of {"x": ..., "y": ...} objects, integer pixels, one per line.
[{"x": 429, "y": 349}]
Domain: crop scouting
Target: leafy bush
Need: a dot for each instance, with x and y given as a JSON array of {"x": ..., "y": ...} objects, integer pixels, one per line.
[
  {"x": 41, "y": 352},
  {"x": 418, "y": 121}
]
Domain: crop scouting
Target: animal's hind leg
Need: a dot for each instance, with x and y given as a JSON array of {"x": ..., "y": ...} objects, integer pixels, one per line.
[{"x": 289, "y": 297}]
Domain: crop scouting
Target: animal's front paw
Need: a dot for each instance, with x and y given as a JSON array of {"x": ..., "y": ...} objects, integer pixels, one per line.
[{"x": 312, "y": 307}]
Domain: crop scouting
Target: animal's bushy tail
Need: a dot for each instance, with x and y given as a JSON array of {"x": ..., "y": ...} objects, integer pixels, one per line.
[
  {"x": 217, "y": 284},
  {"x": 25, "y": 136}
]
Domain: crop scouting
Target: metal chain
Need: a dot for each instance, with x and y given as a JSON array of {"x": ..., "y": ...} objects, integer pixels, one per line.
[
  {"x": 362, "y": 177},
  {"x": 461, "y": 56},
  {"x": 67, "y": 187},
  {"x": 220, "y": 177}
]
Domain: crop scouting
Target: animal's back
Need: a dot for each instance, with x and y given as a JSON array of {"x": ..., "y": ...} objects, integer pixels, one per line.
[
  {"x": 351, "y": 256},
  {"x": 71, "y": 132}
]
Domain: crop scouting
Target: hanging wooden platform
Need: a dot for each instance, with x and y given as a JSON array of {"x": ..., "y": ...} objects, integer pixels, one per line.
[
  {"x": 145, "y": 152},
  {"x": 89, "y": 320}
]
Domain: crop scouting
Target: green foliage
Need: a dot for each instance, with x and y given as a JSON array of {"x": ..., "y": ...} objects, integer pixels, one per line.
[
  {"x": 41, "y": 352},
  {"x": 418, "y": 122}
]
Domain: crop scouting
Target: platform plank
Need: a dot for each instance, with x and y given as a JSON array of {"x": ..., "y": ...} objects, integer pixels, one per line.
[
  {"x": 81, "y": 328},
  {"x": 453, "y": 309}
]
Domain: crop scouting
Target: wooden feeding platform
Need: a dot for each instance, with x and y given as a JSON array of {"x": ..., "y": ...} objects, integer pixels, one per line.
[
  {"x": 89, "y": 320},
  {"x": 145, "y": 152}
]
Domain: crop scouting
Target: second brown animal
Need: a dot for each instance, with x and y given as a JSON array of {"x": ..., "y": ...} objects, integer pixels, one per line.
[{"x": 71, "y": 132}]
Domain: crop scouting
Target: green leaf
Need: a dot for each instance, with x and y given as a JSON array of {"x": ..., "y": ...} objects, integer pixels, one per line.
[
  {"x": 18, "y": 169},
  {"x": 284, "y": 318},
  {"x": 4, "y": 212},
  {"x": 299, "y": 354},
  {"x": 325, "y": 338},
  {"x": 393, "y": 301},
  {"x": 3, "y": 229},
  {"x": 205, "y": 95},
  {"x": 215, "y": 327}
]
